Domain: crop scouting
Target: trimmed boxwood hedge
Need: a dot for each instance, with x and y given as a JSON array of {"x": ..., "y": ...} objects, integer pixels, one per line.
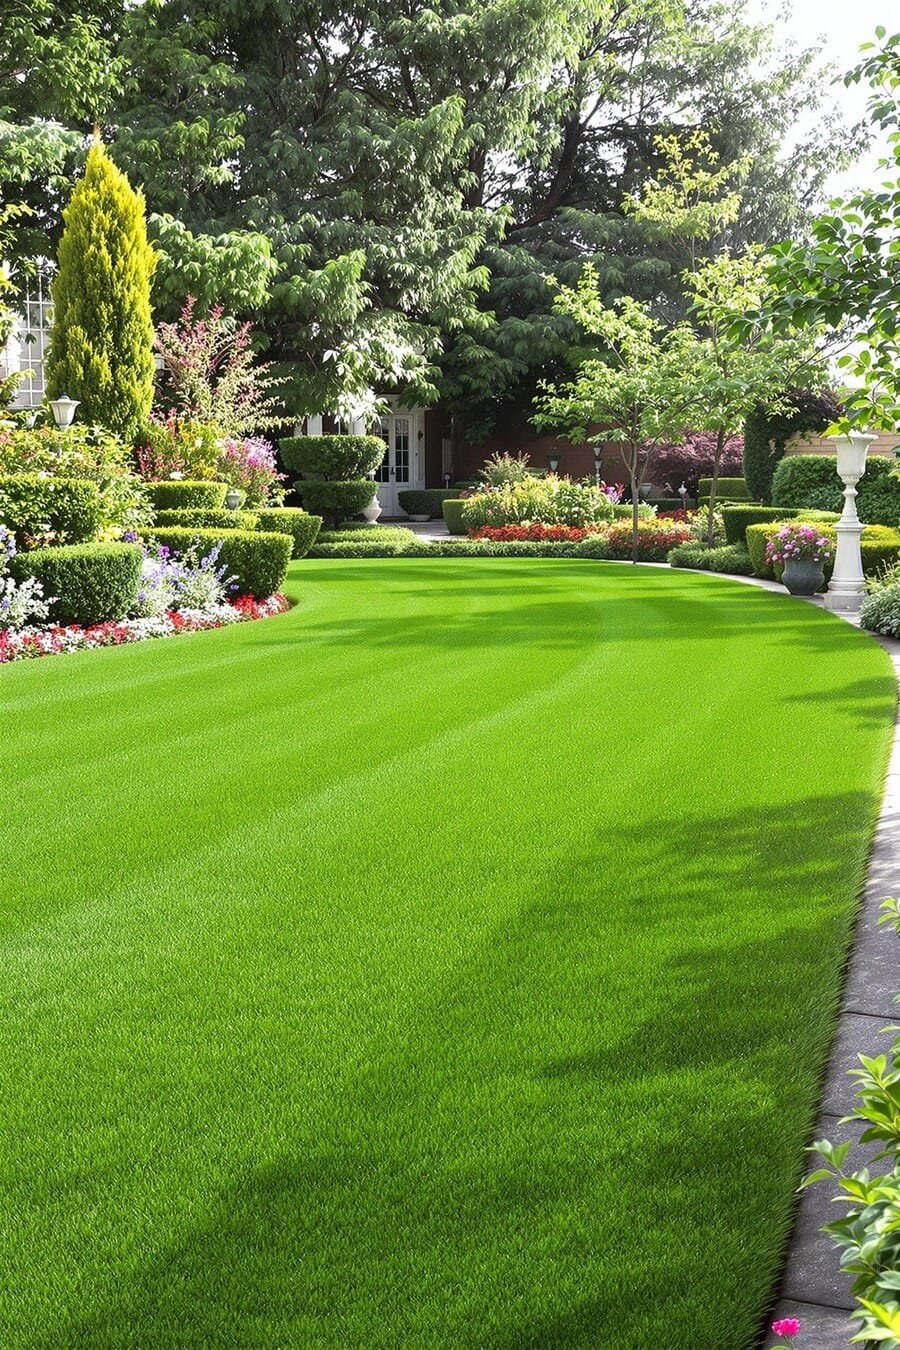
[
  {"x": 812, "y": 481},
  {"x": 257, "y": 559},
  {"x": 91, "y": 583},
  {"x": 332, "y": 458},
  {"x": 180, "y": 494},
  {"x": 424, "y": 501},
  {"x": 451, "y": 510},
  {"x": 32, "y": 503},
  {"x": 363, "y": 541},
  {"x": 727, "y": 489},
  {"x": 335, "y": 502},
  {"x": 300, "y": 525},
  {"x": 737, "y": 518},
  {"x": 203, "y": 518},
  {"x": 879, "y": 546}
]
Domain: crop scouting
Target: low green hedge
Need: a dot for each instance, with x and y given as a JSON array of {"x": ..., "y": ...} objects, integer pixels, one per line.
[
  {"x": 879, "y": 546},
  {"x": 730, "y": 489},
  {"x": 730, "y": 558},
  {"x": 257, "y": 559},
  {"x": 452, "y": 509},
  {"x": 424, "y": 501},
  {"x": 335, "y": 502},
  {"x": 31, "y": 504},
  {"x": 90, "y": 583},
  {"x": 183, "y": 494},
  {"x": 737, "y": 518},
  {"x": 666, "y": 503},
  {"x": 205, "y": 518},
  {"x": 367, "y": 541},
  {"x": 332, "y": 458},
  {"x": 300, "y": 525}
]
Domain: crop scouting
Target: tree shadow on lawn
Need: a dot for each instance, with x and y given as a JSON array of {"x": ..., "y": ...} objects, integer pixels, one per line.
[
  {"x": 590, "y": 1134},
  {"x": 866, "y": 697}
]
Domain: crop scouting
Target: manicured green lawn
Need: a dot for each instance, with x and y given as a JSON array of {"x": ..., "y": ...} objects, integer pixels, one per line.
[{"x": 448, "y": 962}]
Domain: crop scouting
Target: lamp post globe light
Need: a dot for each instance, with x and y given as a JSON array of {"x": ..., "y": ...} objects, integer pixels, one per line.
[
  {"x": 553, "y": 462},
  {"x": 847, "y": 585},
  {"x": 63, "y": 409}
]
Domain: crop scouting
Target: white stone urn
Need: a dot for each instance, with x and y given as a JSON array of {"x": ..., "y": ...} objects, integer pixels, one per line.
[{"x": 371, "y": 512}]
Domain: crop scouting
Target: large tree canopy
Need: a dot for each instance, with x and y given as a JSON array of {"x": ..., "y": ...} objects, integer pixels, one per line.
[{"x": 384, "y": 187}]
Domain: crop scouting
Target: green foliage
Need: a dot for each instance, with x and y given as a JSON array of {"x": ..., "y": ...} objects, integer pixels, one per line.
[
  {"x": 424, "y": 501},
  {"x": 333, "y": 458},
  {"x": 208, "y": 518},
  {"x": 811, "y": 481},
  {"x": 737, "y": 518},
  {"x": 258, "y": 560},
  {"x": 653, "y": 541},
  {"x": 187, "y": 494},
  {"x": 42, "y": 510},
  {"x": 367, "y": 541},
  {"x": 101, "y": 349},
  {"x": 500, "y": 469},
  {"x": 81, "y": 452},
  {"x": 302, "y": 527},
  {"x": 550, "y": 500},
  {"x": 731, "y": 558},
  {"x": 880, "y": 610},
  {"x": 767, "y": 431},
  {"x": 335, "y": 502},
  {"x": 732, "y": 489},
  {"x": 89, "y": 583},
  {"x": 452, "y": 510}
]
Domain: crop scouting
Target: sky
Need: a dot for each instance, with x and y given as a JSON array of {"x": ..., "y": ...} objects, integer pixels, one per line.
[{"x": 842, "y": 26}]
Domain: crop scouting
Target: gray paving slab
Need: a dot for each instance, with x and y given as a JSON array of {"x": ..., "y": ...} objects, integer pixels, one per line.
[
  {"x": 857, "y": 1034},
  {"x": 821, "y": 1328}
]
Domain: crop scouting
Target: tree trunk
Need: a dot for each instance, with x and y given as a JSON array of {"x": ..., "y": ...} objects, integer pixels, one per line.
[
  {"x": 717, "y": 461},
  {"x": 635, "y": 506}
]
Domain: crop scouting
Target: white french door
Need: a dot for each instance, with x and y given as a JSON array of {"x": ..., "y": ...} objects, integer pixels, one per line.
[{"x": 400, "y": 468}]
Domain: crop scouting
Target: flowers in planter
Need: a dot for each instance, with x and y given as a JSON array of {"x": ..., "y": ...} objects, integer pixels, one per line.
[{"x": 798, "y": 542}]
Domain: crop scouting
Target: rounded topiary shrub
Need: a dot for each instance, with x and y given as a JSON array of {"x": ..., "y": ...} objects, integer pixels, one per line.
[
  {"x": 180, "y": 494},
  {"x": 256, "y": 559},
  {"x": 335, "y": 502},
  {"x": 300, "y": 525},
  {"x": 203, "y": 518},
  {"x": 90, "y": 583},
  {"x": 31, "y": 504},
  {"x": 727, "y": 489},
  {"x": 332, "y": 458},
  {"x": 452, "y": 511},
  {"x": 423, "y": 501}
]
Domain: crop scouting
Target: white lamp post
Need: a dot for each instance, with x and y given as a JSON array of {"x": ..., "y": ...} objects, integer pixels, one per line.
[
  {"x": 847, "y": 585},
  {"x": 63, "y": 410},
  {"x": 598, "y": 464}
]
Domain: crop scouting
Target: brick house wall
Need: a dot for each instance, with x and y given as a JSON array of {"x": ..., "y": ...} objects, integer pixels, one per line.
[{"x": 888, "y": 443}]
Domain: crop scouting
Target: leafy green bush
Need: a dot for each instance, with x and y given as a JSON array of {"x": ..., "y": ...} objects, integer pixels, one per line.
[
  {"x": 205, "y": 518},
  {"x": 731, "y": 558},
  {"x": 766, "y": 434},
  {"x": 332, "y": 458},
  {"x": 879, "y": 545},
  {"x": 737, "y": 518},
  {"x": 83, "y": 453},
  {"x": 187, "y": 494},
  {"x": 812, "y": 481},
  {"x": 41, "y": 510},
  {"x": 880, "y": 610},
  {"x": 335, "y": 502},
  {"x": 727, "y": 489},
  {"x": 372, "y": 541},
  {"x": 258, "y": 560},
  {"x": 550, "y": 500},
  {"x": 302, "y": 527},
  {"x": 622, "y": 511},
  {"x": 423, "y": 501},
  {"x": 452, "y": 511},
  {"x": 89, "y": 583}
]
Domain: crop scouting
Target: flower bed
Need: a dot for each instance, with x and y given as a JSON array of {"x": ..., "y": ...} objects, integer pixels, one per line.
[
  {"x": 535, "y": 532},
  {"x": 28, "y": 643}
]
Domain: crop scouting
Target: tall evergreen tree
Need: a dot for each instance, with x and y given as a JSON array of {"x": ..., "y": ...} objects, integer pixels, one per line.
[{"x": 102, "y": 344}]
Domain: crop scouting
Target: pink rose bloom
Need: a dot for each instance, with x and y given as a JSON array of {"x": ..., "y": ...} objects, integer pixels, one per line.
[{"x": 787, "y": 1327}]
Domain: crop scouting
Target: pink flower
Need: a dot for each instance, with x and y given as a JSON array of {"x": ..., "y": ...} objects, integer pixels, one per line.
[{"x": 787, "y": 1327}]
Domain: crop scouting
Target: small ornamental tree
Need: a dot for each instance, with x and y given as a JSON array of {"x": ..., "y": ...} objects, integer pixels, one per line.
[
  {"x": 101, "y": 350},
  {"x": 633, "y": 385},
  {"x": 767, "y": 432}
]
